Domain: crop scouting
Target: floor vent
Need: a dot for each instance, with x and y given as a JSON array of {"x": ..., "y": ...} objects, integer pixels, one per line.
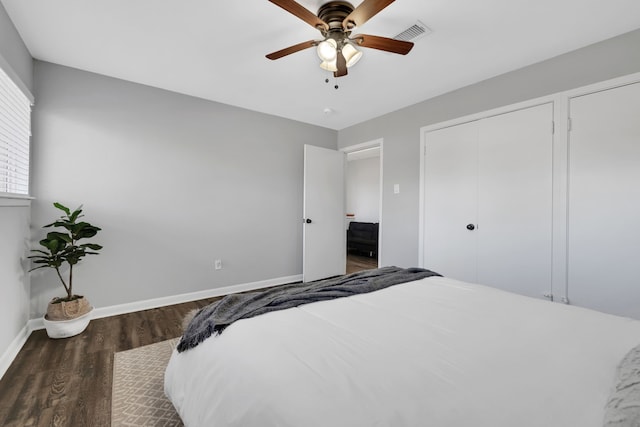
[{"x": 414, "y": 32}]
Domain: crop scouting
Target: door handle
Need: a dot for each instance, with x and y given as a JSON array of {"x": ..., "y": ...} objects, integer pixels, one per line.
[
  {"x": 471, "y": 227},
  {"x": 307, "y": 220}
]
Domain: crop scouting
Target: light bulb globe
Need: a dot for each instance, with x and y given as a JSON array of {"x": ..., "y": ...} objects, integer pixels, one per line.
[
  {"x": 351, "y": 54},
  {"x": 327, "y": 50}
]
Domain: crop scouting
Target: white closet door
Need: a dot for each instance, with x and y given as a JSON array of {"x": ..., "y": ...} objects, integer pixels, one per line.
[
  {"x": 451, "y": 162},
  {"x": 515, "y": 200},
  {"x": 604, "y": 201}
]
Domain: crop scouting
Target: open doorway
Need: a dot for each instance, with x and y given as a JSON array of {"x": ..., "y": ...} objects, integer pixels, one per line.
[{"x": 363, "y": 203}]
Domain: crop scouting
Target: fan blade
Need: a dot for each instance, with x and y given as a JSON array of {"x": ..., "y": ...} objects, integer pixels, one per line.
[
  {"x": 301, "y": 12},
  {"x": 341, "y": 64},
  {"x": 383, "y": 43},
  {"x": 291, "y": 49},
  {"x": 365, "y": 11}
]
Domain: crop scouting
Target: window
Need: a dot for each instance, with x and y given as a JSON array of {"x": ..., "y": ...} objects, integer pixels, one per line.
[{"x": 15, "y": 132}]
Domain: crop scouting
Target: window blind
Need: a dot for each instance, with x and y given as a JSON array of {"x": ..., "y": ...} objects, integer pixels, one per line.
[{"x": 15, "y": 132}]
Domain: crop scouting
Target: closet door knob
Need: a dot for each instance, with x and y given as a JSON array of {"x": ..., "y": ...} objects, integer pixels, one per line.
[{"x": 471, "y": 227}]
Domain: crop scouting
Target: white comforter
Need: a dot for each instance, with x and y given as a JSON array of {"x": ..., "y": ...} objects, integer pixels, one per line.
[{"x": 434, "y": 352}]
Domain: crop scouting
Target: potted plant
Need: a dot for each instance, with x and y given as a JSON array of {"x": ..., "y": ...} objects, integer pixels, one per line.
[{"x": 69, "y": 315}]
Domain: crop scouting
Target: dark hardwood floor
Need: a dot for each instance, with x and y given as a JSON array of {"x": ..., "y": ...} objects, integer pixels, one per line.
[
  {"x": 357, "y": 262},
  {"x": 68, "y": 382}
]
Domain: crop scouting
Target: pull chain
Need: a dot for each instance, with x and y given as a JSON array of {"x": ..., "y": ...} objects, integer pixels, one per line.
[{"x": 336, "y": 87}]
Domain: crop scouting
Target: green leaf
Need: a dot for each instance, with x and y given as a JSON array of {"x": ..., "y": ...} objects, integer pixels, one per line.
[
  {"x": 56, "y": 235},
  {"x": 85, "y": 230},
  {"x": 93, "y": 246},
  {"x": 52, "y": 245},
  {"x": 79, "y": 227},
  {"x": 67, "y": 225},
  {"x": 76, "y": 214},
  {"x": 62, "y": 207}
]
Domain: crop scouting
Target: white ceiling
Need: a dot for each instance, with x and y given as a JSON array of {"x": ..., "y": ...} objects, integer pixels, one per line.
[{"x": 216, "y": 49}]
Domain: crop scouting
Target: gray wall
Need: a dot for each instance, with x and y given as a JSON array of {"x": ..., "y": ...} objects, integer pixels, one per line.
[
  {"x": 14, "y": 215},
  {"x": 174, "y": 181},
  {"x": 401, "y": 129}
]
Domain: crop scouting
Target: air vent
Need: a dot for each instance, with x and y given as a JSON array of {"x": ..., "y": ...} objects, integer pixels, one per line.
[{"x": 414, "y": 32}]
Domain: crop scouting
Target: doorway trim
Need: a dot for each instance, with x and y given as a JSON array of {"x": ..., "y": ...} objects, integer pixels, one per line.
[{"x": 366, "y": 146}]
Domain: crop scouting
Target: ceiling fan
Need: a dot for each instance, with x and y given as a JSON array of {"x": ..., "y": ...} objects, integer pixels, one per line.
[{"x": 335, "y": 21}]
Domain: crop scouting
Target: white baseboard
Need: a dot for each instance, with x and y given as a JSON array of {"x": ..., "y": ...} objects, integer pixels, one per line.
[
  {"x": 114, "y": 310},
  {"x": 14, "y": 348}
]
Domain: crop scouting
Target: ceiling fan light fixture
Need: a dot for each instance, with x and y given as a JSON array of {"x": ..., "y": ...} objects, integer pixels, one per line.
[
  {"x": 351, "y": 54},
  {"x": 335, "y": 20},
  {"x": 327, "y": 50}
]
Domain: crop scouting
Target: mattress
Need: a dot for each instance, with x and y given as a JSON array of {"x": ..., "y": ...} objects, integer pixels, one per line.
[{"x": 435, "y": 352}]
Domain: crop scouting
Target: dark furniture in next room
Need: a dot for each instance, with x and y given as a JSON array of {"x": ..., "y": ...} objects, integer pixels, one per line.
[{"x": 363, "y": 237}]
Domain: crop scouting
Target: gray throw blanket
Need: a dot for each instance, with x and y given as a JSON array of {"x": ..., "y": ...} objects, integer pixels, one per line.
[{"x": 214, "y": 318}]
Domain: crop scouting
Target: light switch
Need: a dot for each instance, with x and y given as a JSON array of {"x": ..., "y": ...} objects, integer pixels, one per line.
[{"x": 396, "y": 188}]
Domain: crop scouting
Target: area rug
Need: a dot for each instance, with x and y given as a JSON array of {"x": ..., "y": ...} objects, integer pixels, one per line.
[{"x": 138, "y": 387}]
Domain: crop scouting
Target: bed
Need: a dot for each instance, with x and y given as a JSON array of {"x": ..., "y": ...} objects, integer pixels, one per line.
[{"x": 432, "y": 352}]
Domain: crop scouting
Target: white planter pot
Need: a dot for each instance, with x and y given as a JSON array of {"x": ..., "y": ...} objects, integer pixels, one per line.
[{"x": 67, "y": 328}]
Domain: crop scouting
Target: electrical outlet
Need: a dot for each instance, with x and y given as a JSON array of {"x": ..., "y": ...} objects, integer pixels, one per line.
[{"x": 218, "y": 264}]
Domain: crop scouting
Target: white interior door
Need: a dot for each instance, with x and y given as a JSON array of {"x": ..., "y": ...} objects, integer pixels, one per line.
[
  {"x": 451, "y": 201},
  {"x": 324, "y": 236},
  {"x": 514, "y": 200},
  {"x": 604, "y": 201}
]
